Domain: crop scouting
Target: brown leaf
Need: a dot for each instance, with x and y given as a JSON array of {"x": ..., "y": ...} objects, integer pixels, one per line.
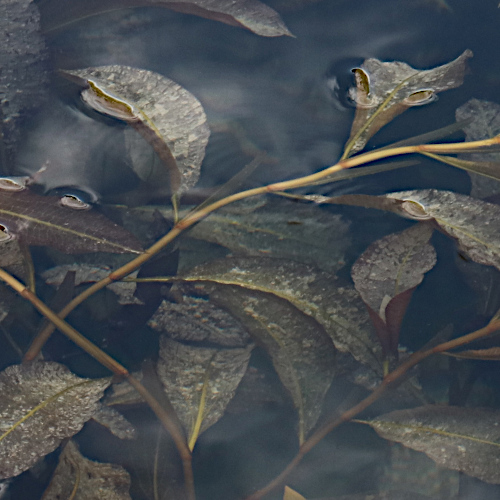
[
  {"x": 86, "y": 273},
  {"x": 485, "y": 124},
  {"x": 316, "y": 293},
  {"x": 303, "y": 354},
  {"x": 169, "y": 117},
  {"x": 464, "y": 439},
  {"x": 475, "y": 224},
  {"x": 41, "y": 404},
  {"x": 200, "y": 381},
  {"x": 195, "y": 319},
  {"x": 41, "y": 220},
  {"x": 24, "y": 79},
  {"x": 388, "y": 89},
  {"x": 387, "y": 273},
  {"x": 115, "y": 422},
  {"x": 78, "y": 478},
  {"x": 250, "y": 14}
]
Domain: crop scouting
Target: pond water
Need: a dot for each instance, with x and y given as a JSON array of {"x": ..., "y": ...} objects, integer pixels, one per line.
[{"x": 287, "y": 97}]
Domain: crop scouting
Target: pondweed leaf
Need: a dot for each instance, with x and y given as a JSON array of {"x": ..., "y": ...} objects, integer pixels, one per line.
[
  {"x": 336, "y": 307},
  {"x": 41, "y": 220},
  {"x": 82, "y": 479},
  {"x": 115, "y": 422},
  {"x": 387, "y": 273},
  {"x": 250, "y": 14},
  {"x": 385, "y": 90},
  {"x": 303, "y": 354},
  {"x": 41, "y": 404},
  {"x": 195, "y": 319},
  {"x": 86, "y": 273},
  {"x": 200, "y": 381},
  {"x": 474, "y": 224},
  {"x": 275, "y": 230},
  {"x": 169, "y": 118},
  {"x": 25, "y": 74},
  {"x": 464, "y": 439},
  {"x": 485, "y": 123}
]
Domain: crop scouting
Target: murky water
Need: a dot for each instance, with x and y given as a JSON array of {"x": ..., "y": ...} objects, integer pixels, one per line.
[{"x": 286, "y": 97}]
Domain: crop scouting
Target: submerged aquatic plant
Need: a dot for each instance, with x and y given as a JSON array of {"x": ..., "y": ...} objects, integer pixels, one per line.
[{"x": 278, "y": 289}]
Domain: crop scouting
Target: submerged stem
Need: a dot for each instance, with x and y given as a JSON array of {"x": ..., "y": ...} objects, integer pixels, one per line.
[{"x": 388, "y": 380}]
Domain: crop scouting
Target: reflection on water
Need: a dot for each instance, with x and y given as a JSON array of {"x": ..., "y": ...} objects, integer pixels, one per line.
[{"x": 288, "y": 97}]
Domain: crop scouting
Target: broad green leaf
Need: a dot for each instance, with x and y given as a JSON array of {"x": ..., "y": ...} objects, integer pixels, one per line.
[
  {"x": 485, "y": 116},
  {"x": 387, "y": 273},
  {"x": 474, "y": 224},
  {"x": 464, "y": 439},
  {"x": 78, "y": 478},
  {"x": 41, "y": 220},
  {"x": 250, "y": 14},
  {"x": 335, "y": 306},
  {"x": 303, "y": 354},
  {"x": 41, "y": 404},
  {"x": 385, "y": 90},
  {"x": 24, "y": 79},
  {"x": 168, "y": 117},
  {"x": 200, "y": 381}
]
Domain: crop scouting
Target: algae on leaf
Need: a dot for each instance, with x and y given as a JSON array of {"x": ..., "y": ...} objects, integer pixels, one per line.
[{"x": 41, "y": 404}]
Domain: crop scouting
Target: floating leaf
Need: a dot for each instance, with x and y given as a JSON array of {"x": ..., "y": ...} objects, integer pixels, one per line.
[
  {"x": 475, "y": 224},
  {"x": 485, "y": 117},
  {"x": 195, "y": 319},
  {"x": 82, "y": 479},
  {"x": 41, "y": 404},
  {"x": 250, "y": 14},
  {"x": 41, "y": 220},
  {"x": 292, "y": 494},
  {"x": 25, "y": 73},
  {"x": 314, "y": 292},
  {"x": 302, "y": 352},
  {"x": 86, "y": 273},
  {"x": 200, "y": 381},
  {"x": 387, "y": 273},
  {"x": 170, "y": 118},
  {"x": 388, "y": 89},
  {"x": 464, "y": 439}
]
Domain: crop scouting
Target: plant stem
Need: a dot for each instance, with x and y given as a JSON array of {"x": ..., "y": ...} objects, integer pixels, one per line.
[
  {"x": 196, "y": 216},
  {"x": 388, "y": 380},
  {"x": 167, "y": 421}
]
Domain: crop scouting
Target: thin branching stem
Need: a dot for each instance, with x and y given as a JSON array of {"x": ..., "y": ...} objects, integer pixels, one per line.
[
  {"x": 168, "y": 422},
  {"x": 387, "y": 382},
  {"x": 198, "y": 215}
]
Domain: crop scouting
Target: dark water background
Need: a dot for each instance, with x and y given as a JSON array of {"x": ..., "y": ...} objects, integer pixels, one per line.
[{"x": 274, "y": 90}]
